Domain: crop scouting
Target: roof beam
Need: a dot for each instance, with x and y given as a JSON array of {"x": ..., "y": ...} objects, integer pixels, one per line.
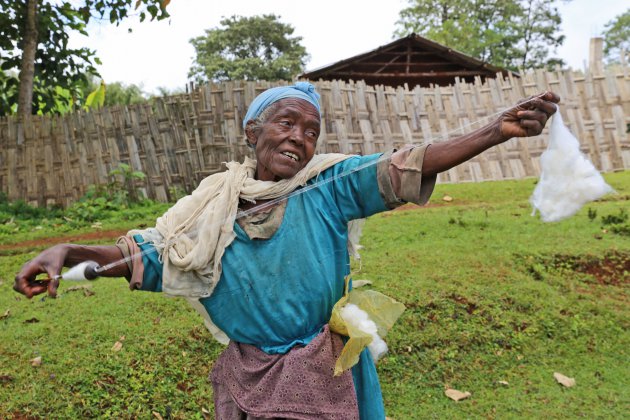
[
  {"x": 355, "y": 74},
  {"x": 412, "y": 53},
  {"x": 405, "y": 64},
  {"x": 384, "y": 65}
]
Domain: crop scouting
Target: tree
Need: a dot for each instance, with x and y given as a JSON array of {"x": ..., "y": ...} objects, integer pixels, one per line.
[
  {"x": 508, "y": 33},
  {"x": 617, "y": 37},
  {"x": 165, "y": 91},
  {"x": 248, "y": 48},
  {"x": 118, "y": 93},
  {"x": 34, "y": 38},
  {"x": 538, "y": 32}
]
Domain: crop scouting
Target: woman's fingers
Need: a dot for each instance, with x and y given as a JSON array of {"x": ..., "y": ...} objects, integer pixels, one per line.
[
  {"x": 532, "y": 127},
  {"x": 29, "y": 287},
  {"x": 53, "y": 284},
  {"x": 26, "y": 280},
  {"x": 548, "y": 107},
  {"x": 550, "y": 97}
]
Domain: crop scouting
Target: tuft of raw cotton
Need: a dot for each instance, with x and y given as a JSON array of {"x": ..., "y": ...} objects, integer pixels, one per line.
[
  {"x": 568, "y": 180},
  {"x": 359, "y": 319}
]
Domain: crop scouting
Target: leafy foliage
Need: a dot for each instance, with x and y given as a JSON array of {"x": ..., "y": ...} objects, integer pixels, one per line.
[
  {"x": 101, "y": 200},
  {"x": 21, "y": 210},
  {"x": 8, "y": 93},
  {"x": 57, "y": 65},
  {"x": 165, "y": 91},
  {"x": 128, "y": 176},
  {"x": 96, "y": 204},
  {"x": 617, "y": 37},
  {"x": 18, "y": 216},
  {"x": 617, "y": 223},
  {"x": 249, "y": 48},
  {"x": 508, "y": 33},
  {"x": 118, "y": 93}
]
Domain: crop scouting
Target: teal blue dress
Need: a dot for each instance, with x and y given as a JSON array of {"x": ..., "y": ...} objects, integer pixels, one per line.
[{"x": 279, "y": 292}]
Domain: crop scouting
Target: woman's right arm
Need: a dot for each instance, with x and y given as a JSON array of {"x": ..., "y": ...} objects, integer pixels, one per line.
[{"x": 52, "y": 260}]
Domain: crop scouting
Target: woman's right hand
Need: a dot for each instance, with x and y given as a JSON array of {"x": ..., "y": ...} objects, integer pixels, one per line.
[{"x": 50, "y": 261}]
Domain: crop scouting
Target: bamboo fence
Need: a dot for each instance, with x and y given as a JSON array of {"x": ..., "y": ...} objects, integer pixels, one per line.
[{"x": 177, "y": 141}]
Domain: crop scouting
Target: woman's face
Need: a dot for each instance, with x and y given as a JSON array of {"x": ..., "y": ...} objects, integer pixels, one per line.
[{"x": 287, "y": 139}]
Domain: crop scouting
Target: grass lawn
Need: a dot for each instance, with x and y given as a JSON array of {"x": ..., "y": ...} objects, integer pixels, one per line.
[{"x": 492, "y": 294}]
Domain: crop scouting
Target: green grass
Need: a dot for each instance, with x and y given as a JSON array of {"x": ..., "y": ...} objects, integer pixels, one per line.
[{"x": 492, "y": 294}]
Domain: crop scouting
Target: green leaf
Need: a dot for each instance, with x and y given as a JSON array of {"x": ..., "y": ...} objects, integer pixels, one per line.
[
  {"x": 113, "y": 16},
  {"x": 96, "y": 99}
]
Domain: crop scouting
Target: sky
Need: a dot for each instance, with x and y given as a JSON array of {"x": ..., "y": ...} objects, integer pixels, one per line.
[{"x": 159, "y": 54}]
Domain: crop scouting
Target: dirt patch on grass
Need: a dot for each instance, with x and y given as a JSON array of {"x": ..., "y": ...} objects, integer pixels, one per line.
[
  {"x": 613, "y": 268},
  {"x": 468, "y": 305},
  {"x": 20, "y": 416},
  {"x": 46, "y": 242}
]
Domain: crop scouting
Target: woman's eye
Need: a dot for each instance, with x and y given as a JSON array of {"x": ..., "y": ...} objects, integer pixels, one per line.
[{"x": 285, "y": 123}]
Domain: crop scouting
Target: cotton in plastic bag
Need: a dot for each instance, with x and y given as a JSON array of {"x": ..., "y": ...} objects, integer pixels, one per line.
[
  {"x": 363, "y": 316},
  {"x": 568, "y": 180}
]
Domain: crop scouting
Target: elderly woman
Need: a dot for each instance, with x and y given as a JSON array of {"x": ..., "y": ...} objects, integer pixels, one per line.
[{"x": 267, "y": 280}]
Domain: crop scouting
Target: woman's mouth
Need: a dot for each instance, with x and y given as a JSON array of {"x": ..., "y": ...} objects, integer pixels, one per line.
[{"x": 291, "y": 156}]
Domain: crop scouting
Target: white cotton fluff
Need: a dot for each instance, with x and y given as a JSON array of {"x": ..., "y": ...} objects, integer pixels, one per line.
[
  {"x": 76, "y": 273},
  {"x": 357, "y": 317},
  {"x": 568, "y": 180}
]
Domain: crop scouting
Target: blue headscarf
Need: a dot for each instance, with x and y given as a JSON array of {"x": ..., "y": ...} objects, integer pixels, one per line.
[{"x": 301, "y": 90}]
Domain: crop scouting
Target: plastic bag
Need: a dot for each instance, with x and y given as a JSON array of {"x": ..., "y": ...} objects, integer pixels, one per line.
[
  {"x": 568, "y": 180},
  {"x": 373, "y": 307}
]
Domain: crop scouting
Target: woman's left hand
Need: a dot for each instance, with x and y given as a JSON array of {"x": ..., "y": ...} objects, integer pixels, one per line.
[{"x": 528, "y": 118}]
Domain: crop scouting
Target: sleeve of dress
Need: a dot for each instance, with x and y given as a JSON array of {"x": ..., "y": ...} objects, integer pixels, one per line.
[
  {"x": 355, "y": 188},
  {"x": 143, "y": 259},
  {"x": 400, "y": 178}
]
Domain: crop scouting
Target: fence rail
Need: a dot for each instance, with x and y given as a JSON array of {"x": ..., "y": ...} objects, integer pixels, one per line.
[{"x": 177, "y": 141}]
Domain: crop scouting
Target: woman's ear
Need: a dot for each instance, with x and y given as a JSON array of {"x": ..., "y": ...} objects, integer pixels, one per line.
[{"x": 251, "y": 133}]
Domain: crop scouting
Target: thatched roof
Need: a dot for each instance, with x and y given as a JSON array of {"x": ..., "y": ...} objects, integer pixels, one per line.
[{"x": 413, "y": 60}]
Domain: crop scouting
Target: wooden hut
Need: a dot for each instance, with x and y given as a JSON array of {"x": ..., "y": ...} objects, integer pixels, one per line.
[{"x": 412, "y": 60}]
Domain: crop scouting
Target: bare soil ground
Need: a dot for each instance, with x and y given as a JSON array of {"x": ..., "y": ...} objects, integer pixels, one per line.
[{"x": 46, "y": 242}]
